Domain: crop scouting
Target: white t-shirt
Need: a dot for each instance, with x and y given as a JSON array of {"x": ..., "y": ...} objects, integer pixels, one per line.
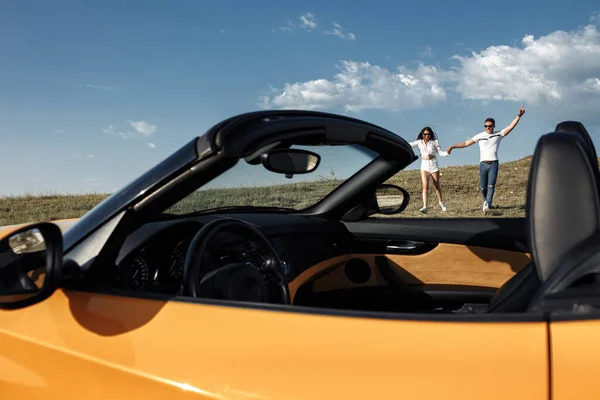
[
  {"x": 488, "y": 144},
  {"x": 428, "y": 149}
]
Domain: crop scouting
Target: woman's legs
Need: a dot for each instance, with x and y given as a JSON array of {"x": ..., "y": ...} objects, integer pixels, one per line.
[
  {"x": 425, "y": 179},
  {"x": 435, "y": 177}
]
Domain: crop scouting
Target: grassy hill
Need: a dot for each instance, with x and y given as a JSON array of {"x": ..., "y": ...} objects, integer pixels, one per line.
[{"x": 460, "y": 189}]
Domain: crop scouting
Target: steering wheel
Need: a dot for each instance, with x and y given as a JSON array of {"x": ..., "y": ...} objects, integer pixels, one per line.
[{"x": 241, "y": 281}]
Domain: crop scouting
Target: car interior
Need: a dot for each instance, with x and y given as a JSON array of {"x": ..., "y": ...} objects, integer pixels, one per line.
[{"x": 357, "y": 261}]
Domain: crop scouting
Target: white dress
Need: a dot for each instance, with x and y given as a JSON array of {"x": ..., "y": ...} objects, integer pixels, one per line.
[{"x": 428, "y": 150}]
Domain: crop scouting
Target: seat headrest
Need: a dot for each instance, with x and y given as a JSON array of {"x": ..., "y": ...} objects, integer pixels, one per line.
[
  {"x": 577, "y": 128},
  {"x": 563, "y": 200}
]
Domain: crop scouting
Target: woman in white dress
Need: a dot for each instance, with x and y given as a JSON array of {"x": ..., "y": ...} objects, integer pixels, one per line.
[{"x": 429, "y": 147}]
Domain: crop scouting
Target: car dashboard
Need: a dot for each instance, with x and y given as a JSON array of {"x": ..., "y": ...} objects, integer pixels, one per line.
[{"x": 152, "y": 258}]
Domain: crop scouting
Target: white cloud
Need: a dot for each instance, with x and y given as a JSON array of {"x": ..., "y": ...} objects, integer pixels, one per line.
[
  {"x": 553, "y": 68},
  {"x": 592, "y": 85},
  {"x": 111, "y": 131},
  {"x": 427, "y": 52},
  {"x": 151, "y": 145},
  {"x": 339, "y": 31},
  {"x": 288, "y": 28},
  {"x": 308, "y": 21},
  {"x": 79, "y": 156},
  {"x": 360, "y": 86},
  {"x": 97, "y": 87},
  {"x": 142, "y": 128},
  {"x": 222, "y": 31},
  {"x": 560, "y": 69},
  {"x": 595, "y": 19}
]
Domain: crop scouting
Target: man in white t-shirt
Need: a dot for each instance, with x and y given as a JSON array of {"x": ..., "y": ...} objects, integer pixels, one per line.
[{"x": 489, "y": 141}]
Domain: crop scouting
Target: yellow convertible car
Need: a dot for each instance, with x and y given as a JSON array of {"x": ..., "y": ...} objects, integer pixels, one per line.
[{"x": 176, "y": 287}]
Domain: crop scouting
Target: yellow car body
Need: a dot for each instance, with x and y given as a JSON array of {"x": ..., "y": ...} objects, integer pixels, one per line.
[
  {"x": 77, "y": 344},
  {"x": 97, "y": 344}
]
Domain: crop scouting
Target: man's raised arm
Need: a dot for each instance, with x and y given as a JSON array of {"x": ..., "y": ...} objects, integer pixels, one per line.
[{"x": 515, "y": 121}]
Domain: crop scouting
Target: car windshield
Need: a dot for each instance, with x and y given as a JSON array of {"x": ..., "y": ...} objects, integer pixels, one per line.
[{"x": 247, "y": 185}]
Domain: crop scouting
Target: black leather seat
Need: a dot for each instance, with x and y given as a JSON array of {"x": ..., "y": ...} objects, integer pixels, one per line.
[
  {"x": 577, "y": 128},
  {"x": 565, "y": 164},
  {"x": 565, "y": 211},
  {"x": 516, "y": 293}
]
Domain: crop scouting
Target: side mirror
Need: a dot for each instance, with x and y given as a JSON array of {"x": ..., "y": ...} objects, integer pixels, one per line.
[
  {"x": 291, "y": 161},
  {"x": 30, "y": 264},
  {"x": 390, "y": 199}
]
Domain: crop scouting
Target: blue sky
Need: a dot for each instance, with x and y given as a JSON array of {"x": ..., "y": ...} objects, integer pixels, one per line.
[{"x": 94, "y": 93}]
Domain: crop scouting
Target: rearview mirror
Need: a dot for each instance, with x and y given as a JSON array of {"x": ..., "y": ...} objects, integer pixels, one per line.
[
  {"x": 291, "y": 161},
  {"x": 391, "y": 199},
  {"x": 30, "y": 264}
]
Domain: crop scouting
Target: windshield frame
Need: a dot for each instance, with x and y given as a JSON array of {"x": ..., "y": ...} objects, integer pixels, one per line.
[
  {"x": 256, "y": 197},
  {"x": 213, "y": 153}
]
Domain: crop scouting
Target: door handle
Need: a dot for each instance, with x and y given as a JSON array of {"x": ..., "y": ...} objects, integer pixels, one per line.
[
  {"x": 408, "y": 247},
  {"x": 401, "y": 247}
]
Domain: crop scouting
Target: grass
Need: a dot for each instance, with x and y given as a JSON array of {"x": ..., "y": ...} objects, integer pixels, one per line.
[
  {"x": 461, "y": 193},
  {"x": 460, "y": 190}
]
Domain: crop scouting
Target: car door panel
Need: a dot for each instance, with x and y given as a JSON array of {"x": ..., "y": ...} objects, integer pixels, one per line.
[
  {"x": 470, "y": 252},
  {"x": 445, "y": 271},
  {"x": 78, "y": 344},
  {"x": 447, "y": 264},
  {"x": 455, "y": 262},
  {"x": 496, "y": 233},
  {"x": 36, "y": 369},
  {"x": 575, "y": 351}
]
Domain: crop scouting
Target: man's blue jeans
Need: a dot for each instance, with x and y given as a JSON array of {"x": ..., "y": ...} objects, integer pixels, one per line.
[{"x": 488, "y": 172}]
